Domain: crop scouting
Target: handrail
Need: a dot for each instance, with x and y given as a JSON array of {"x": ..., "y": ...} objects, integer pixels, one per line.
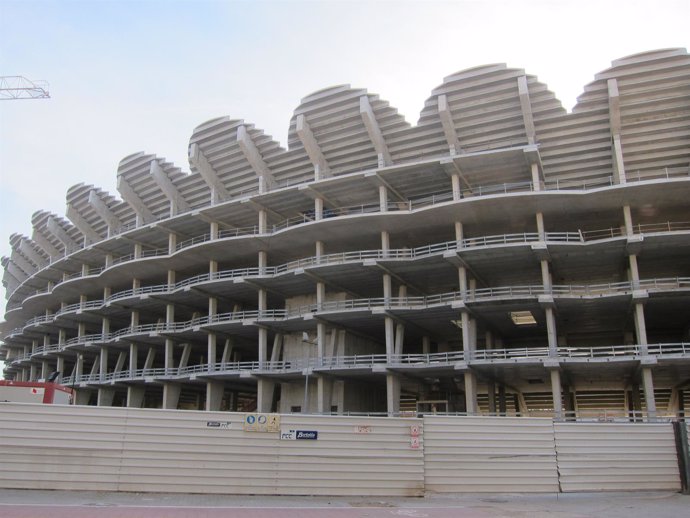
[
  {"x": 434, "y": 360},
  {"x": 367, "y": 304},
  {"x": 469, "y": 242}
]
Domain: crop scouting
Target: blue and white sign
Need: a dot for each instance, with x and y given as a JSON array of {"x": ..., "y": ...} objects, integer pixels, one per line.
[{"x": 299, "y": 435}]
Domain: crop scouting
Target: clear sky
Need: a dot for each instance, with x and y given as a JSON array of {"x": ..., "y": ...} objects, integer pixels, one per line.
[{"x": 139, "y": 75}]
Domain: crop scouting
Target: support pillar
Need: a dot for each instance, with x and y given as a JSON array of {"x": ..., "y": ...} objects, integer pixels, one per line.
[
  {"x": 135, "y": 396},
  {"x": 264, "y": 395},
  {"x": 392, "y": 394},
  {"x": 648, "y": 387},
  {"x": 214, "y": 395},
  {"x": 471, "y": 406},
  {"x": 556, "y": 392}
]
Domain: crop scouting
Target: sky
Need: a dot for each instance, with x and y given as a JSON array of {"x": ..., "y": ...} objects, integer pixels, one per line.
[{"x": 140, "y": 75}]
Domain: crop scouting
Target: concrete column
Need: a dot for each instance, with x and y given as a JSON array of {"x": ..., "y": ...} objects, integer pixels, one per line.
[
  {"x": 105, "y": 394},
  {"x": 390, "y": 336},
  {"x": 556, "y": 393},
  {"x": 172, "y": 243},
  {"x": 318, "y": 209},
  {"x": 211, "y": 351},
  {"x": 455, "y": 181},
  {"x": 264, "y": 395},
  {"x": 263, "y": 345},
  {"x": 648, "y": 387},
  {"x": 392, "y": 394},
  {"x": 60, "y": 367},
  {"x": 459, "y": 232},
  {"x": 640, "y": 327},
  {"x": 634, "y": 271},
  {"x": 171, "y": 395},
  {"x": 471, "y": 392},
  {"x": 103, "y": 362},
  {"x": 263, "y": 221},
  {"x": 540, "y": 226},
  {"x": 324, "y": 390},
  {"x": 536, "y": 181},
  {"x": 213, "y": 230},
  {"x": 551, "y": 331},
  {"x": 171, "y": 391},
  {"x": 82, "y": 396},
  {"x": 426, "y": 345},
  {"x": 627, "y": 217},
  {"x": 491, "y": 392},
  {"x": 383, "y": 199},
  {"x": 468, "y": 344},
  {"x": 214, "y": 395},
  {"x": 135, "y": 396}
]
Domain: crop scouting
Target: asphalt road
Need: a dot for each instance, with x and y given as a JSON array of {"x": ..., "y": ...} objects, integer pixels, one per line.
[{"x": 87, "y": 504}]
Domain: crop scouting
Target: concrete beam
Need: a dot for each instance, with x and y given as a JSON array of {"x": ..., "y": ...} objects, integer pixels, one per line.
[
  {"x": 372, "y": 125},
  {"x": 258, "y": 206},
  {"x": 23, "y": 263},
  {"x": 54, "y": 228},
  {"x": 614, "y": 107},
  {"x": 526, "y": 107},
  {"x": 144, "y": 215},
  {"x": 177, "y": 201},
  {"x": 29, "y": 251},
  {"x": 376, "y": 178},
  {"x": 311, "y": 146},
  {"x": 10, "y": 281},
  {"x": 16, "y": 272},
  {"x": 338, "y": 287},
  {"x": 104, "y": 212},
  {"x": 89, "y": 233},
  {"x": 251, "y": 153},
  {"x": 448, "y": 125},
  {"x": 202, "y": 165},
  {"x": 615, "y": 125},
  {"x": 453, "y": 169},
  {"x": 46, "y": 245},
  {"x": 315, "y": 194}
]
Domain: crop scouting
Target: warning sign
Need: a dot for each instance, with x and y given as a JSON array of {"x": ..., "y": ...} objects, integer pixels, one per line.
[{"x": 261, "y": 423}]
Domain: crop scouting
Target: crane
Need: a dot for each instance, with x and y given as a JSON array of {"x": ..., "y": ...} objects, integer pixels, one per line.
[{"x": 19, "y": 87}]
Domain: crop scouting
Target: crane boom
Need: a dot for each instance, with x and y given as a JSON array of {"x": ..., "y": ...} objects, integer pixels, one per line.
[{"x": 19, "y": 87}]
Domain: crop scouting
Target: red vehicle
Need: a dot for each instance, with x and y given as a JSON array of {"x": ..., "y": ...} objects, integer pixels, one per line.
[{"x": 34, "y": 392}]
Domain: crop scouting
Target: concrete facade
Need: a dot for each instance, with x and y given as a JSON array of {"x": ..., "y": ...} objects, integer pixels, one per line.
[{"x": 502, "y": 256}]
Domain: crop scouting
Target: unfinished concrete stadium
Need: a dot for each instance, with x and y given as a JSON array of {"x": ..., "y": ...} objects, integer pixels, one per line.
[{"x": 502, "y": 257}]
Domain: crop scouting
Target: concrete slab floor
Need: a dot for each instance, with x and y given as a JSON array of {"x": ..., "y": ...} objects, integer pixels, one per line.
[{"x": 78, "y": 504}]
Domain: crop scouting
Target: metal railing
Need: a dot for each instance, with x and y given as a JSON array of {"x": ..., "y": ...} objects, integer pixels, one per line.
[
  {"x": 423, "y": 201},
  {"x": 398, "y": 254},
  {"x": 298, "y": 365},
  {"x": 368, "y": 304}
]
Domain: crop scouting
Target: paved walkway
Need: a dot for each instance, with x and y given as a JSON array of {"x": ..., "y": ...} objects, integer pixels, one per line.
[{"x": 89, "y": 504}]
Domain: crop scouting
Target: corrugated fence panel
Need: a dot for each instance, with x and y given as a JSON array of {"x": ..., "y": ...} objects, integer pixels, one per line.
[
  {"x": 177, "y": 451},
  {"x": 489, "y": 454},
  {"x": 616, "y": 456},
  {"x": 54, "y": 447},
  {"x": 60, "y": 447}
]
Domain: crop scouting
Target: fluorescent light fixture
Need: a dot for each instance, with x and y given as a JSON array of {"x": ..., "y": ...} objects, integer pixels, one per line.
[{"x": 522, "y": 318}]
